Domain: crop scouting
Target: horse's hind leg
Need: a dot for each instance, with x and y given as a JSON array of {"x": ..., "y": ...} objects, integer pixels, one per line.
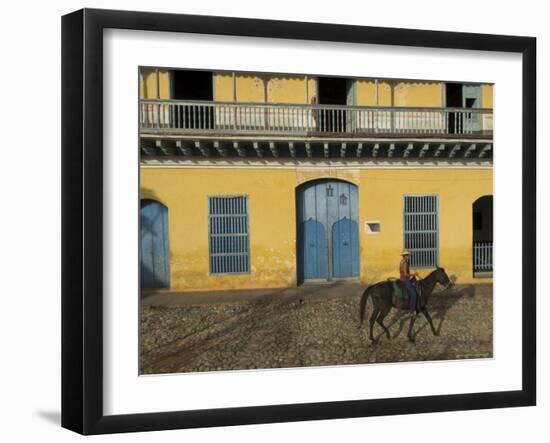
[
  {"x": 411, "y": 325},
  {"x": 375, "y": 312},
  {"x": 380, "y": 320},
  {"x": 429, "y": 318}
]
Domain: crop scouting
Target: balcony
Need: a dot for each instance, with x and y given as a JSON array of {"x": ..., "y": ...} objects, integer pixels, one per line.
[
  {"x": 220, "y": 118},
  {"x": 181, "y": 128}
]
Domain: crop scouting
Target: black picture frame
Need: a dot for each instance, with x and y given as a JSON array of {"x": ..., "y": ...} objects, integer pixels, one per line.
[{"x": 82, "y": 218}]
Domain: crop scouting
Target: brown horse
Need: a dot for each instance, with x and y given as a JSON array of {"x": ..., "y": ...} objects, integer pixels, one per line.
[{"x": 383, "y": 299}]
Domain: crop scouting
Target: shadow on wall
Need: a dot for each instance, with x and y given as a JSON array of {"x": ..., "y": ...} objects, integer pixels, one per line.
[{"x": 148, "y": 194}]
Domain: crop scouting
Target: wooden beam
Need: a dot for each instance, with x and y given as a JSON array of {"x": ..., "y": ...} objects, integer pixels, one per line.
[
  {"x": 309, "y": 152},
  {"x": 258, "y": 149},
  {"x": 326, "y": 150},
  {"x": 184, "y": 148},
  {"x": 205, "y": 150},
  {"x": 391, "y": 149},
  {"x": 455, "y": 149},
  {"x": 424, "y": 150},
  {"x": 408, "y": 150},
  {"x": 161, "y": 144},
  {"x": 221, "y": 150},
  {"x": 375, "y": 149},
  {"x": 439, "y": 150},
  {"x": 359, "y": 149},
  {"x": 343, "y": 150},
  {"x": 484, "y": 150},
  {"x": 292, "y": 149},
  {"x": 274, "y": 150},
  {"x": 146, "y": 150},
  {"x": 240, "y": 150},
  {"x": 470, "y": 150}
]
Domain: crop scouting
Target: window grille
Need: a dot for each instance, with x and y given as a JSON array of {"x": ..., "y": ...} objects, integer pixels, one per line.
[
  {"x": 420, "y": 213},
  {"x": 228, "y": 240},
  {"x": 483, "y": 256}
]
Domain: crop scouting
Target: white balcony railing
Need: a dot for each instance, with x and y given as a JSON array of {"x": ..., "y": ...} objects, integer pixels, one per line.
[{"x": 288, "y": 119}]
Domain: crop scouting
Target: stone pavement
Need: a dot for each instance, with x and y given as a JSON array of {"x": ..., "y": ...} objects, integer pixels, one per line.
[{"x": 313, "y": 325}]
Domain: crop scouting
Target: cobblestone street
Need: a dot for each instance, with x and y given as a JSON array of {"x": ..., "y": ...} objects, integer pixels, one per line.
[{"x": 306, "y": 326}]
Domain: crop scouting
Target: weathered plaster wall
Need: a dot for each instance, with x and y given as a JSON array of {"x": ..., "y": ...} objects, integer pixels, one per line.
[{"x": 272, "y": 218}]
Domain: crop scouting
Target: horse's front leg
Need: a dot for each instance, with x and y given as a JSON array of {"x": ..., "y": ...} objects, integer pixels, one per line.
[
  {"x": 372, "y": 319},
  {"x": 429, "y": 318},
  {"x": 411, "y": 325}
]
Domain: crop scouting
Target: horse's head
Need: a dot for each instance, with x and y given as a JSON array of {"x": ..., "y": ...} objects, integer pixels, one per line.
[{"x": 442, "y": 278}]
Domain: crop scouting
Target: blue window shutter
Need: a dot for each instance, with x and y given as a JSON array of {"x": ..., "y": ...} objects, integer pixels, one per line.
[
  {"x": 228, "y": 236},
  {"x": 420, "y": 222}
]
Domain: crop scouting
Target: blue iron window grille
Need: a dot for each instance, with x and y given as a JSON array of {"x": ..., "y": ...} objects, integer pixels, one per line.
[
  {"x": 228, "y": 238},
  {"x": 420, "y": 221}
]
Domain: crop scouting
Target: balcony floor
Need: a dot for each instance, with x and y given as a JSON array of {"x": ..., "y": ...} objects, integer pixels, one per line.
[{"x": 335, "y": 147}]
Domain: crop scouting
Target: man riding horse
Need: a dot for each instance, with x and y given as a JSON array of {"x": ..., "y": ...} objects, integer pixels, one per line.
[
  {"x": 384, "y": 297},
  {"x": 408, "y": 280}
]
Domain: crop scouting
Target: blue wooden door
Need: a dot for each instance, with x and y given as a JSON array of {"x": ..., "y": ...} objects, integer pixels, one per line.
[
  {"x": 345, "y": 248},
  {"x": 328, "y": 239},
  {"x": 312, "y": 236},
  {"x": 344, "y": 242},
  {"x": 314, "y": 249},
  {"x": 155, "y": 249}
]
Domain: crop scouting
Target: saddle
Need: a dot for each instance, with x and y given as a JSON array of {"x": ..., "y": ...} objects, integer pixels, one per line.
[{"x": 400, "y": 291}]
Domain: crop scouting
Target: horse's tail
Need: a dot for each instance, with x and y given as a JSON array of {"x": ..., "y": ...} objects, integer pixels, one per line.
[{"x": 363, "y": 304}]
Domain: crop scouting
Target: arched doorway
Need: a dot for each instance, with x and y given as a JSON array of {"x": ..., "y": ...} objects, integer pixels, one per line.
[
  {"x": 482, "y": 224},
  {"x": 328, "y": 232},
  {"x": 154, "y": 245}
]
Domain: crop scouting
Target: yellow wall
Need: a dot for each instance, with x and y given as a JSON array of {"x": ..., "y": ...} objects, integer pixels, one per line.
[
  {"x": 487, "y": 96},
  {"x": 404, "y": 93},
  {"x": 273, "y": 227},
  {"x": 384, "y": 93},
  {"x": 381, "y": 199},
  {"x": 289, "y": 89},
  {"x": 271, "y": 219},
  {"x": 250, "y": 88},
  {"x": 286, "y": 88},
  {"x": 223, "y": 87},
  {"x": 421, "y": 94},
  {"x": 148, "y": 83},
  {"x": 365, "y": 92}
]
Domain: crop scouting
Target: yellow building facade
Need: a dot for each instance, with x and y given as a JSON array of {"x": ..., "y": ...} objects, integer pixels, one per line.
[
  {"x": 286, "y": 88},
  {"x": 386, "y": 141}
]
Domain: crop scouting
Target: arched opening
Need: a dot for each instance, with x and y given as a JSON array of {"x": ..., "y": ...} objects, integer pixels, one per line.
[
  {"x": 327, "y": 230},
  {"x": 482, "y": 224},
  {"x": 154, "y": 245}
]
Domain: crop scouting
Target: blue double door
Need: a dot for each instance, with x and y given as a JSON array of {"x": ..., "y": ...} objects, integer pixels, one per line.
[
  {"x": 328, "y": 233},
  {"x": 154, "y": 245}
]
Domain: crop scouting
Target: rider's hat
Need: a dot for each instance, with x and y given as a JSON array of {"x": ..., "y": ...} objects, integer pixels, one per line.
[{"x": 405, "y": 252}]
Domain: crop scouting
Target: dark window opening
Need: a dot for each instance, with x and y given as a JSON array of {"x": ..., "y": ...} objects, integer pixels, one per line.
[
  {"x": 453, "y": 95},
  {"x": 478, "y": 221},
  {"x": 482, "y": 211},
  {"x": 332, "y": 91},
  {"x": 470, "y": 103},
  {"x": 453, "y": 99},
  {"x": 482, "y": 220},
  {"x": 192, "y": 85}
]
